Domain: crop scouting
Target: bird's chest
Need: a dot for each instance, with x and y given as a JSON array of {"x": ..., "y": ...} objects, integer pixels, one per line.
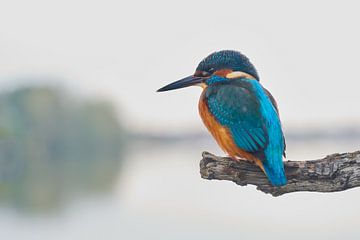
[
  {"x": 222, "y": 134},
  {"x": 209, "y": 120},
  {"x": 219, "y": 132}
]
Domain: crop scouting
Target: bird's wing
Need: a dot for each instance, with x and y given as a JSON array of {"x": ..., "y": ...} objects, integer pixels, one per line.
[
  {"x": 236, "y": 108},
  {"x": 272, "y": 99}
]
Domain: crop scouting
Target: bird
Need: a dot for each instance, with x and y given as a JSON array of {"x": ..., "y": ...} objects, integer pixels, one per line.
[{"x": 239, "y": 112}]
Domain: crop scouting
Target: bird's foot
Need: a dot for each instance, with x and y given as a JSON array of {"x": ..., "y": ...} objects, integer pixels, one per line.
[{"x": 238, "y": 159}]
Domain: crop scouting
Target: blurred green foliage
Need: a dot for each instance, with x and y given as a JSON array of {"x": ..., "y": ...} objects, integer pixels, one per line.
[{"x": 54, "y": 146}]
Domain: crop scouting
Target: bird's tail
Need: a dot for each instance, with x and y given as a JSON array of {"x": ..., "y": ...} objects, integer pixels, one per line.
[{"x": 276, "y": 174}]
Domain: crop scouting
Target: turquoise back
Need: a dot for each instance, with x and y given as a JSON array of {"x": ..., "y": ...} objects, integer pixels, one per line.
[{"x": 243, "y": 107}]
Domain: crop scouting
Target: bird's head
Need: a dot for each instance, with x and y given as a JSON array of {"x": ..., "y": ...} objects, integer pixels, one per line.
[{"x": 217, "y": 67}]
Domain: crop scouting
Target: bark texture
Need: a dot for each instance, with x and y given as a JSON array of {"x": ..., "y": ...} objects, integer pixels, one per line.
[{"x": 336, "y": 172}]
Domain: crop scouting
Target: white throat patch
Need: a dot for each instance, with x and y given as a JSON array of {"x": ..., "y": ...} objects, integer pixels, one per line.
[{"x": 238, "y": 74}]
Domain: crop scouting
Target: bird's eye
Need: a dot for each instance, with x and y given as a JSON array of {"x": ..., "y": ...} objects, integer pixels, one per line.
[
  {"x": 202, "y": 74},
  {"x": 205, "y": 74},
  {"x": 211, "y": 70}
]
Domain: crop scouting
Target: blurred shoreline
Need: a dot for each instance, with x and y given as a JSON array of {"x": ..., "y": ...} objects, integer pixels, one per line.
[{"x": 347, "y": 133}]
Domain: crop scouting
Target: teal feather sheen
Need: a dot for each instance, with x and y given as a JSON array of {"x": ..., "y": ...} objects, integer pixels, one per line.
[
  {"x": 273, "y": 165},
  {"x": 243, "y": 107}
]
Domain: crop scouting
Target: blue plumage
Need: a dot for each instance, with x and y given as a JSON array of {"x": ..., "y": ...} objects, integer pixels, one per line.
[
  {"x": 245, "y": 109},
  {"x": 228, "y": 59},
  {"x": 275, "y": 149},
  {"x": 241, "y": 115}
]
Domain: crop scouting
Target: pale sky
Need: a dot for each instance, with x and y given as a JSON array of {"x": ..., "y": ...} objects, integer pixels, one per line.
[{"x": 306, "y": 52}]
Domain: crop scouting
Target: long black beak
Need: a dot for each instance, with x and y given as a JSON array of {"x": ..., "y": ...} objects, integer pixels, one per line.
[{"x": 185, "y": 82}]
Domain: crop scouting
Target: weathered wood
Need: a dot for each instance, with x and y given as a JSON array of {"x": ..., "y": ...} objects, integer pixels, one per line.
[{"x": 336, "y": 172}]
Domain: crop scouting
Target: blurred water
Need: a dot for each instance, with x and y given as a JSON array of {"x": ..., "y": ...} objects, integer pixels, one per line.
[
  {"x": 160, "y": 195},
  {"x": 55, "y": 147}
]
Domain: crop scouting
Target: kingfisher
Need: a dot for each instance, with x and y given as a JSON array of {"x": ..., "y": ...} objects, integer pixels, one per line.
[{"x": 239, "y": 112}]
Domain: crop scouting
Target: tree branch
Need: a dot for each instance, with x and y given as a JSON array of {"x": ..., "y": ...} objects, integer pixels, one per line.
[{"x": 336, "y": 172}]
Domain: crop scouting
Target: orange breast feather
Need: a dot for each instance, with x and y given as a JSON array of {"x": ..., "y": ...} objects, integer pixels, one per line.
[{"x": 223, "y": 136}]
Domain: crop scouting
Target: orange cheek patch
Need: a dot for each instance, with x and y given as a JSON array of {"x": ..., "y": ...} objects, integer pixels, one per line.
[{"x": 222, "y": 72}]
